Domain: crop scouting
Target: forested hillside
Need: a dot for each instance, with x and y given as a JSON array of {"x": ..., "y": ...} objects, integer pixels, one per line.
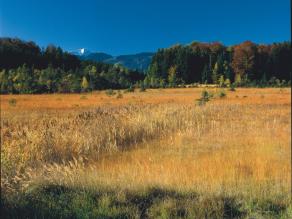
[
  {"x": 26, "y": 68},
  {"x": 244, "y": 64}
]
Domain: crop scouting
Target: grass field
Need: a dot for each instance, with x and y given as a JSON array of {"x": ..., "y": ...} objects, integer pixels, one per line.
[{"x": 153, "y": 154}]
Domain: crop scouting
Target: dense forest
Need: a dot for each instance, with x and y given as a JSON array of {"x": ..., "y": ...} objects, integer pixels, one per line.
[
  {"x": 246, "y": 64},
  {"x": 27, "y": 68}
]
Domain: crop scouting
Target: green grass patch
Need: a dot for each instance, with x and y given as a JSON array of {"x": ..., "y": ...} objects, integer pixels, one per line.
[{"x": 61, "y": 202}]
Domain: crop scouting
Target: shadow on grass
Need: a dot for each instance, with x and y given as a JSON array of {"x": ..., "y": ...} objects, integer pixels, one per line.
[{"x": 61, "y": 202}]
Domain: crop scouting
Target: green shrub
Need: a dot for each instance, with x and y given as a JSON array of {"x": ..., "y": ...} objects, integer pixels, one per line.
[
  {"x": 131, "y": 89},
  {"x": 205, "y": 97},
  {"x": 110, "y": 92},
  {"x": 232, "y": 87},
  {"x": 12, "y": 102},
  {"x": 222, "y": 94},
  {"x": 142, "y": 89}
]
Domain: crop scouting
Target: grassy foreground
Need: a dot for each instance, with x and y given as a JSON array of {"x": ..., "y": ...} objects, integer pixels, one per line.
[
  {"x": 62, "y": 202},
  {"x": 156, "y": 154}
]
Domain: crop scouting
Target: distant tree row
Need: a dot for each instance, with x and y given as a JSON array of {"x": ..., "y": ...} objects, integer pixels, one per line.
[
  {"x": 91, "y": 76},
  {"x": 15, "y": 53},
  {"x": 25, "y": 68},
  {"x": 243, "y": 64}
]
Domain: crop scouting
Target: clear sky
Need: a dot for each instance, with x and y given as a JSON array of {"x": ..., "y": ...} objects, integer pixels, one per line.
[{"x": 131, "y": 26}]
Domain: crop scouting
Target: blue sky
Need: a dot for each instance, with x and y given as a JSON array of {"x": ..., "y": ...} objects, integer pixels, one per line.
[{"x": 131, "y": 26}]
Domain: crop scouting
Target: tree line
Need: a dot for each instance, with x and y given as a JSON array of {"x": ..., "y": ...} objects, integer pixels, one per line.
[
  {"x": 246, "y": 64},
  {"x": 27, "y": 68}
]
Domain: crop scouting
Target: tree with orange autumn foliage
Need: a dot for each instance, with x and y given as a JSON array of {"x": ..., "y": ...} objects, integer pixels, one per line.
[{"x": 243, "y": 61}]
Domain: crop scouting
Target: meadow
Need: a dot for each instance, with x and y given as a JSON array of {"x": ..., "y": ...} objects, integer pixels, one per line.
[{"x": 154, "y": 154}]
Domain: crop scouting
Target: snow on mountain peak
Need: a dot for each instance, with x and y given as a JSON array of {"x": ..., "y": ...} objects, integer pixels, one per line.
[{"x": 82, "y": 50}]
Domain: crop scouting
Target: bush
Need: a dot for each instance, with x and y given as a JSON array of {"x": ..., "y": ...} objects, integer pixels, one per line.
[
  {"x": 205, "y": 97},
  {"x": 119, "y": 95},
  {"x": 227, "y": 82},
  {"x": 12, "y": 102},
  {"x": 232, "y": 87},
  {"x": 110, "y": 92},
  {"x": 142, "y": 88},
  {"x": 222, "y": 94},
  {"x": 131, "y": 89}
]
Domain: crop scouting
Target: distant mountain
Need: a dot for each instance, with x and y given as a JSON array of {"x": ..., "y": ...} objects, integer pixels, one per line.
[
  {"x": 80, "y": 52},
  {"x": 139, "y": 61},
  {"x": 96, "y": 56}
]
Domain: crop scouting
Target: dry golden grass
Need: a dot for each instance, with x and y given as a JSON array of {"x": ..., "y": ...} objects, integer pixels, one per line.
[
  {"x": 151, "y": 96},
  {"x": 159, "y": 138}
]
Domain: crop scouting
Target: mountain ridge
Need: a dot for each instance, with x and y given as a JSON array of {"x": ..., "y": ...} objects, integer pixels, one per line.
[{"x": 139, "y": 61}]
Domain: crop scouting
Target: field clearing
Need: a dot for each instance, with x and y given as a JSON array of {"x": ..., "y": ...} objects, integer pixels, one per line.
[
  {"x": 152, "y": 96},
  {"x": 236, "y": 146}
]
